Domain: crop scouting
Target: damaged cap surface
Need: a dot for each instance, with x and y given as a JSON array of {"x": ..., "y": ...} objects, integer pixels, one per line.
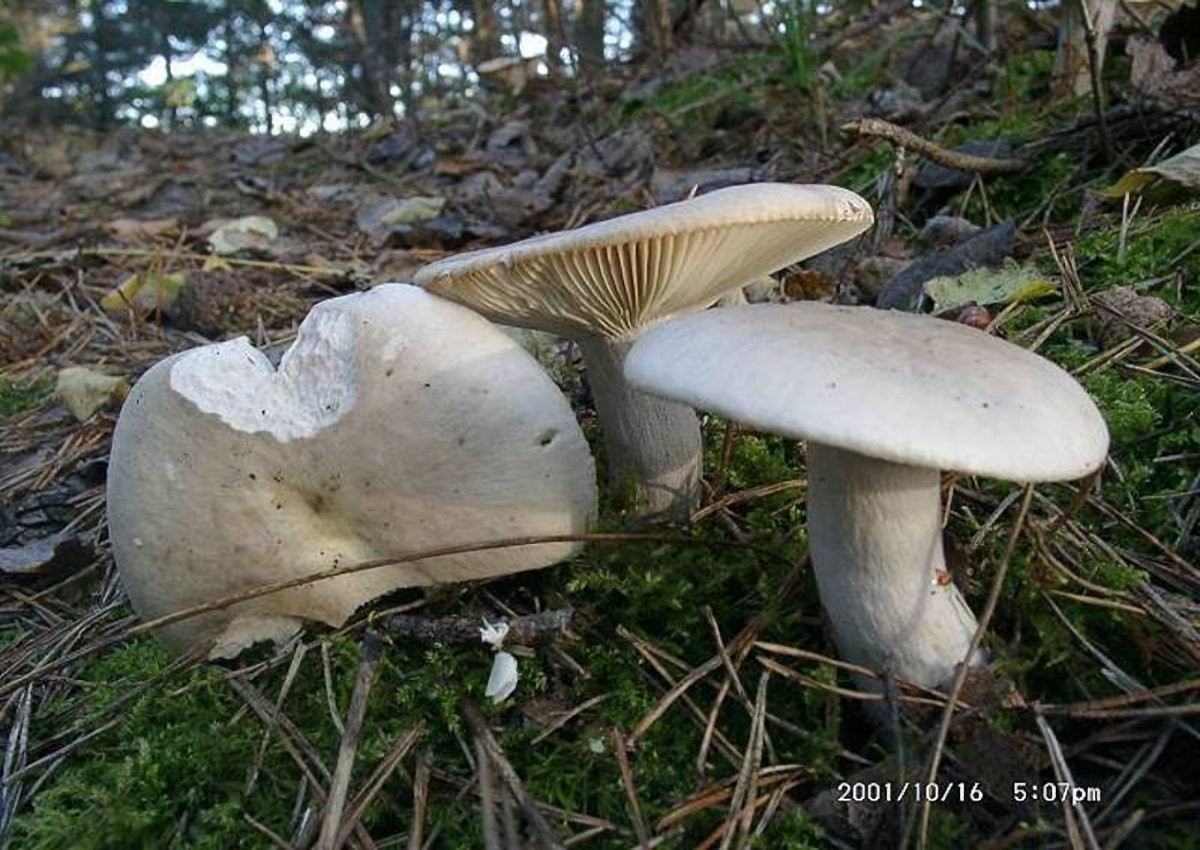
[{"x": 397, "y": 422}]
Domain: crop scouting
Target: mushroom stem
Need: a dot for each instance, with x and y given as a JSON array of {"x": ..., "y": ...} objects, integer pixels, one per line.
[
  {"x": 876, "y": 541},
  {"x": 653, "y": 444}
]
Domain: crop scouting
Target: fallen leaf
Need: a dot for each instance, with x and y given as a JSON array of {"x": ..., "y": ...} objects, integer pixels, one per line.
[
  {"x": 132, "y": 229},
  {"x": 333, "y": 193},
  {"x": 252, "y": 232},
  {"x": 984, "y": 286},
  {"x": 985, "y": 248},
  {"x": 84, "y": 391},
  {"x": 214, "y": 263},
  {"x": 387, "y": 213},
  {"x": 806, "y": 285},
  {"x": 457, "y": 167},
  {"x": 145, "y": 292},
  {"x": 942, "y": 231},
  {"x": 54, "y": 554},
  {"x": 1180, "y": 172}
]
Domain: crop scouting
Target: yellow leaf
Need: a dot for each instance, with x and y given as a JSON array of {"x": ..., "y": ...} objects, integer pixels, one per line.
[
  {"x": 145, "y": 292},
  {"x": 84, "y": 391},
  {"x": 985, "y": 286},
  {"x": 1180, "y": 173},
  {"x": 215, "y": 263},
  {"x": 1131, "y": 183}
]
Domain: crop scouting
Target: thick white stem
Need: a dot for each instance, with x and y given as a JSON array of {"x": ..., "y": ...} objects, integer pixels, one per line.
[
  {"x": 653, "y": 444},
  {"x": 876, "y": 541}
]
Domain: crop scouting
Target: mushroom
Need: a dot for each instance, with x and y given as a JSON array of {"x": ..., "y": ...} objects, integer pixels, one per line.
[
  {"x": 885, "y": 400},
  {"x": 397, "y": 422},
  {"x": 512, "y": 72},
  {"x": 604, "y": 284}
]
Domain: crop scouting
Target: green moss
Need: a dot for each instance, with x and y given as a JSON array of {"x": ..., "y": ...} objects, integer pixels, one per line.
[
  {"x": 700, "y": 95},
  {"x": 19, "y": 396},
  {"x": 173, "y": 772},
  {"x": 1042, "y": 190},
  {"x": 1130, "y": 406},
  {"x": 1153, "y": 247},
  {"x": 170, "y": 774},
  {"x": 1022, "y": 77},
  {"x": 689, "y": 92},
  {"x": 791, "y": 830},
  {"x": 863, "y": 171}
]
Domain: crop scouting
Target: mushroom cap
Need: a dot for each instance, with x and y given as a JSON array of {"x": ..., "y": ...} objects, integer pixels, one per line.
[
  {"x": 617, "y": 277},
  {"x": 397, "y": 422},
  {"x": 901, "y": 387},
  {"x": 499, "y": 64}
]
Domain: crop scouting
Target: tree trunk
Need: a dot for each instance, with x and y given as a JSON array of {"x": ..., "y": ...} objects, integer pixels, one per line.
[
  {"x": 365, "y": 23},
  {"x": 264, "y": 80},
  {"x": 652, "y": 28},
  {"x": 233, "y": 65},
  {"x": 555, "y": 32},
  {"x": 987, "y": 19},
  {"x": 167, "y": 54},
  {"x": 589, "y": 35},
  {"x": 485, "y": 39},
  {"x": 102, "y": 111},
  {"x": 1072, "y": 65}
]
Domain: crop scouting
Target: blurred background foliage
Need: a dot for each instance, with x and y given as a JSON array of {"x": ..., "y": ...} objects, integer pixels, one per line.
[{"x": 305, "y": 65}]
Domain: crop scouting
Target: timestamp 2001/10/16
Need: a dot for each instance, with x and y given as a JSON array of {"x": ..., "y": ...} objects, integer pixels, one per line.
[
  {"x": 962, "y": 792},
  {"x": 898, "y": 792}
]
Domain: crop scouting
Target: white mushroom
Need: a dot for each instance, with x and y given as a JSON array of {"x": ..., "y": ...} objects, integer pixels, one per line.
[
  {"x": 884, "y": 400},
  {"x": 604, "y": 284},
  {"x": 397, "y": 422},
  {"x": 513, "y": 72}
]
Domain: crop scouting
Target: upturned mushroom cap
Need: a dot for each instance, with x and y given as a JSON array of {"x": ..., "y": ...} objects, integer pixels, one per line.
[
  {"x": 397, "y": 422},
  {"x": 616, "y": 277},
  {"x": 896, "y": 386}
]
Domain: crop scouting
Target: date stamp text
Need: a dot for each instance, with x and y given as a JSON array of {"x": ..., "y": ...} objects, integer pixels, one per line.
[
  {"x": 918, "y": 792},
  {"x": 964, "y": 792}
]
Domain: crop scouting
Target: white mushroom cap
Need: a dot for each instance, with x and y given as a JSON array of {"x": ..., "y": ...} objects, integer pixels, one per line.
[
  {"x": 397, "y": 422},
  {"x": 616, "y": 277},
  {"x": 896, "y": 386},
  {"x": 503, "y": 63},
  {"x": 513, "y": 71}
]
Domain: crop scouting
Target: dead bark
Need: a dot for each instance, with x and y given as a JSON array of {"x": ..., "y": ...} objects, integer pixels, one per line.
[
  {"x": 589, "y": 35},
  {"x": 1072, "y": 65}
]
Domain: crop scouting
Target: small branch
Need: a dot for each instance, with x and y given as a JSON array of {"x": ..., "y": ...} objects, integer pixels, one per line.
[
  {"x": 487, "y": 801},
  {"x": 960, "y": 676},
  {"x": 382, "y": 772},
  {"x": 530, "y": 630},
  {"x": 1079, "y": 826},
  {"x": 547, "y": 839},
  {"x": 909, "y": 140},
  {"x": 1091, "y": 39},
  {"x": 631, "y": 795},
  {"x": 339, "y": 786},
  {"x": 122, "y": 630}
]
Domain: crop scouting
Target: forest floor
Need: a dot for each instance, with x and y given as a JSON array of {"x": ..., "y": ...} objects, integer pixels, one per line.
[{"x": 694, "y": 698}]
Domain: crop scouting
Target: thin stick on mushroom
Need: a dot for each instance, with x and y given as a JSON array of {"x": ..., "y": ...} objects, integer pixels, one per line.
[{"x": 396, "y": 423}]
